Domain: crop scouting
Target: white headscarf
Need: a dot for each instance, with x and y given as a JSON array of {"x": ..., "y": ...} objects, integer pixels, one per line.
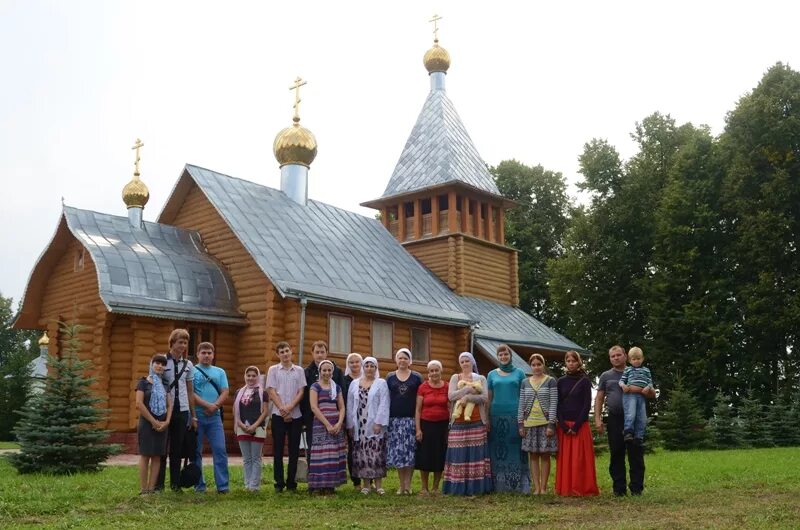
[
  {"x": 333, "y": 383},
  {"x": 374, "y": 361},
  {"x": 347, "y": 362},
  {"x": 435, "y": 363},
  {"x": 405, "y": 351},
  {"x": 471, "y": 358}
]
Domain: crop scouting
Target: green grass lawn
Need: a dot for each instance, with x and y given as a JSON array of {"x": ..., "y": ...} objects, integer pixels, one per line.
[
  {"x": 758, "y": 488},
  {"x": 9, "y": 445}
]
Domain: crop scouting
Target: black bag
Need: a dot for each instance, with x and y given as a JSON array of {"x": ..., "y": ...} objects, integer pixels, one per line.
[{"x": 190, "y": 474}]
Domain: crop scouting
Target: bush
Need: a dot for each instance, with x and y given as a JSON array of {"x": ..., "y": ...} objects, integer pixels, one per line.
[
  {"x": 58, "y": 430},
  {"x": 681, "y": 424}
]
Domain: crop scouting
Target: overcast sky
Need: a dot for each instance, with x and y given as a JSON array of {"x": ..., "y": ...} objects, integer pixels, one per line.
[{"x": 207, "y": 83}]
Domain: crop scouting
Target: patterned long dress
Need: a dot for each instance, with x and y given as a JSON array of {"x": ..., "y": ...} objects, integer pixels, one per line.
[
  {"x": 509, "y": 462},
  {"x": 328, "y": 451},
  {"x": 369, "y": 454}
]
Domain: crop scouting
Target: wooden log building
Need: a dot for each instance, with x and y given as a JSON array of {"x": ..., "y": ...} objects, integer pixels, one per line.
[{"x": 246, "y": 266}]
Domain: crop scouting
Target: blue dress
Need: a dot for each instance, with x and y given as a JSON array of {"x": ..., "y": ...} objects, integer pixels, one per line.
[{"x": 509, "y": 461}]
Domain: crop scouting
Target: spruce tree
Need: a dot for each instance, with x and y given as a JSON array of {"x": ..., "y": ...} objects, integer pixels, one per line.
[
  {"x": 58, "y": 430},
  {"x": 726, "y": 433},
  {"x": 755, "y": 428},
  {"x": 681, "y": 424},
  {"x": 792, "y": 423}
]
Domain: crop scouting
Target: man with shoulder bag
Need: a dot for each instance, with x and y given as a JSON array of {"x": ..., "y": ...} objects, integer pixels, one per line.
[{"x": 211, "y": 392}]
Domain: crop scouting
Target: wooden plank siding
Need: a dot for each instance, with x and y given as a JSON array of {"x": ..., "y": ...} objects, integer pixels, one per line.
[
  {"x": 438, "y": 255},
  {"x": 486, "y": 270}
]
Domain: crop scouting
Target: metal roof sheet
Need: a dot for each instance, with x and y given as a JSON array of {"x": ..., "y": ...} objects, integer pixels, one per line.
[
  {"x": 439, "y": 151},
  {"x": 157, "y": 270}
]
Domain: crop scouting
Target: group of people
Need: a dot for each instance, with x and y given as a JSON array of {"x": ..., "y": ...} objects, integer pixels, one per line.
[{"x": 472, "y": 435}]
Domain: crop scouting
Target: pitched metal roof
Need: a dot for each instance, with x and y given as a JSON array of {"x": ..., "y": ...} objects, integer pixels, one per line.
[
  {"x": 439, "y": 151},
  {"x": 340, "y": 258},
  {"x": 325, "y": 253},
  {"x": 158, "y": 270},
  {"x": 510, "y": 324}
]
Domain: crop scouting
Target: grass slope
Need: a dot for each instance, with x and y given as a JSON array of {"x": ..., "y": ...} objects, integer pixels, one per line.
[{"x": 757, "y": 488}]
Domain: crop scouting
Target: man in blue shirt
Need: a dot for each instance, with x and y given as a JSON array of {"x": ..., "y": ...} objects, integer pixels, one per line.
[{"x": 210, "y": 394}]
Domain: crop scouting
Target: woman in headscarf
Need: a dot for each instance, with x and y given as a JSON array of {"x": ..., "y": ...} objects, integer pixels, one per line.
[
  {"x": 403, "y": 385},
  {"x": 467, "y": 469},
  {"x": 432, "y": 416},
  {"x": 329, "y": 448},
  {"x": 351, "y": 373},
  {"x": 575, "y": 471},
  {"x": 509, "y": 462},
  {"x": 155, "y": 411},
  {"x": 367, "y": 419},
  {"x": 249, "y": 412}
]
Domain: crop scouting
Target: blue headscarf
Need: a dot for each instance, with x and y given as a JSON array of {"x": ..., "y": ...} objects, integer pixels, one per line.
[{"x": 158, "y": 396}]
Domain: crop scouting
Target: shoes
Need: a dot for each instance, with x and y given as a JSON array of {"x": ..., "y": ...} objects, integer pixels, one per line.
[
  {"x": 278, "y": 489},
  {"x": 628, "y": 436},
  {"x": 365, "y": 491},
  {"x": 380, "y": 491},
  {"x": 639, "y": 442},
  {"x": 223, "y": 492}
]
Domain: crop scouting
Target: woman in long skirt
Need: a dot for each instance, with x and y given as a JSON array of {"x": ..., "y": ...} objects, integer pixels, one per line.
[
  {"x": 403, "y": 385},
  {"x": 509, "y": 462},
  {"x": 468, "y": 470},
  {"x": 432, "y": 417},
  {"x": 575, "y": 471},
  {"x": 329, "y": 448}
]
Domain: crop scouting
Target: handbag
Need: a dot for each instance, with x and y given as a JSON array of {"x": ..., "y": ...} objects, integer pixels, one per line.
[
  {"x": 261, "y": 432},
  {"x": 302, "y": 464},
  {"x": 190, "y": 474}
]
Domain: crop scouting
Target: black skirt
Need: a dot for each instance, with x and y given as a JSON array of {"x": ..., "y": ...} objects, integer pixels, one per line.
[
  {"x": 152, "y": 443},
  {"x": 431, "y": 451}
]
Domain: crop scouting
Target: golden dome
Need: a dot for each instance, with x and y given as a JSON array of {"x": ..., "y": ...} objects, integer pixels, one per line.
[
  {"x": 45, "y": 340},
  {"x": 436, "y": 59},
  {"x": 135, "y": 193},
  {"x": 295, "y": 145}
]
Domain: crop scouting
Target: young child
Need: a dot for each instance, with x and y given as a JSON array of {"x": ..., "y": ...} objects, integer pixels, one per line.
[
  {"x": 464, "y": 406},
  {"x": 633, "y": 403}
]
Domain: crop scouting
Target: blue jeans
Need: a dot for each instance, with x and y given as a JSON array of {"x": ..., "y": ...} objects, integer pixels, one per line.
[
  {"x": 633, "y": 406},
  {"x": 210, "y": 427}
]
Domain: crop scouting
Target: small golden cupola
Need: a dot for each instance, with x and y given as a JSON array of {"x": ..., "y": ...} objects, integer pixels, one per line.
[
  {"x": 295, "y": 148},
  {"x": 436, "y": 59},
  {"x": 135, "y": 193},
  {"x": 44, "y": 340}
]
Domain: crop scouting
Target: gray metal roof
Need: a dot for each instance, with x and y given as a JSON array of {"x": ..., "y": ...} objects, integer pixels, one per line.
[
  {"x": 327, "y": 254},
  {"x": 509, "y": 324},
  {"x": 439, "y": 151},
  {"x": 158, "y": 270},
  {"x": 338, "y": 257}
]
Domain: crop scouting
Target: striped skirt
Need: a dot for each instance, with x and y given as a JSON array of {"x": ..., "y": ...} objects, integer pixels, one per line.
[
  {"x": 328, "y": 452},
  {"x": 467, "y": 469}
]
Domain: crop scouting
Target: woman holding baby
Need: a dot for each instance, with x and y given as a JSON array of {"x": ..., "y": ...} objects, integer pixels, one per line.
[{"x": 467, "y": 469}]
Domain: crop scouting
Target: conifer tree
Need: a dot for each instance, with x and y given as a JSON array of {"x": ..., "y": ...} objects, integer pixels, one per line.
[
  {"x": 792, "y": 422},
  {"x": 726, "y": 433},
  {"x": 58, "y": 430},
  {"x": 681, "y": 424},
  {"x": 755, "y": 429}
]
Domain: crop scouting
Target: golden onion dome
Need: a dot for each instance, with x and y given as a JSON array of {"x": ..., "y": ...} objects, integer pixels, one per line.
[
  {"x": 295, "y": 145},
  {"x": 436, "y": 59},
  {"x": 44, "y": 340},
  {"x": 135, "y": 194}
]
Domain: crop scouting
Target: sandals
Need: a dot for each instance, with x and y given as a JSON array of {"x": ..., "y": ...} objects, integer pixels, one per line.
[
  {"x": 364, "y": 491},
  {"x": 380, "y": 491}
]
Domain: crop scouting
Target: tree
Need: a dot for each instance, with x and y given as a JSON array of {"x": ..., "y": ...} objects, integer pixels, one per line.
[
  {"x": 761, "y": 205},
  {"x": 58, "y": 430},
  {"x": 17, "y": 350},
  {"x": 755, "y": 429},
  {"x": 726, "y": 433},
  {"x": 535, "y": 227},
  {"x": 681, "y": 424}
]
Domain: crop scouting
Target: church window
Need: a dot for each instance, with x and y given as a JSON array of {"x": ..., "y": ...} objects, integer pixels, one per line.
[
  {"x": 420, "y": 344},
  {"x": 339, "y": 333},
  {"x": 382, "y": 342}
]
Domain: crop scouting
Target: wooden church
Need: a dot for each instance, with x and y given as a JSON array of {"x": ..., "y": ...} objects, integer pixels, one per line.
[{"x": 245, "y": 266}]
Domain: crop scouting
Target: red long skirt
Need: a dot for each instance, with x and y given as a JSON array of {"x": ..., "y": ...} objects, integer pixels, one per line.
[{"x": 575, "y": 472}]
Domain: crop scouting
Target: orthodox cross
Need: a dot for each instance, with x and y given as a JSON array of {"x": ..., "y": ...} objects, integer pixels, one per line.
[
  {"x": 435, "y": 20},
  {"x": 296, "y": 87},
  {"x": 138, "y": 145}
]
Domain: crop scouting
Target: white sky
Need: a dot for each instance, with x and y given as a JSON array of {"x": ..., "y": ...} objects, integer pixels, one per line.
[{"x": 207, "y": 83}]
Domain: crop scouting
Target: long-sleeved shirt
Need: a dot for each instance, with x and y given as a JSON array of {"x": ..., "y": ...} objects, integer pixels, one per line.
[
  {"x": 548, "y": 400},
  {"x": 573, "y": 405},
  {"x": 634, "y": 376}
]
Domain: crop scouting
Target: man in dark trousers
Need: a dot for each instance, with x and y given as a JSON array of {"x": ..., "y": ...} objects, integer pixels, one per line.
[
  {"x": 608, "y": 390},
  {"x": 178, "y": 377},
  {"x": 319, "y": 352}
]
